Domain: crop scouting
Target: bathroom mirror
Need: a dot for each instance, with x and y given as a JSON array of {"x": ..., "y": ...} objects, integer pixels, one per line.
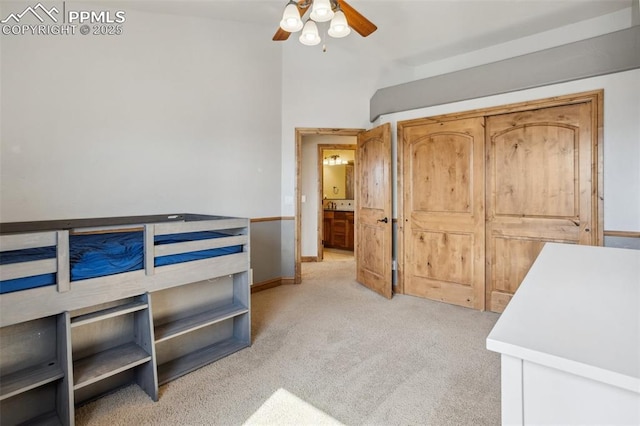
[{"x": 337, "y": 176}]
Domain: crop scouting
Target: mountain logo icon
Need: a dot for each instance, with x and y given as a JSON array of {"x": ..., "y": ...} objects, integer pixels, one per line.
[{"x": 38, "y": 11}]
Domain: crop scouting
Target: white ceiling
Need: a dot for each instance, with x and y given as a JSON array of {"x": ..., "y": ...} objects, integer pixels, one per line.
[{"x": 414, "y": 32}]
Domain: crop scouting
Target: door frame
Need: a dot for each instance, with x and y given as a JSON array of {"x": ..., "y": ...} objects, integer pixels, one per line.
[
  {"x": 300, "y": 133},
  {"x": 321, "y": 148},
  {"x": 595, "y": 97}
]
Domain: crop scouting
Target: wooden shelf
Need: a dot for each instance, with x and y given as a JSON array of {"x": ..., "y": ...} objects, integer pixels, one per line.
[
  {"x": 108, "y": 363},
  {"x": 176, "y": 328},
  {"x": 29, "y": 378},
  {"x": 183, "y": 365},
  {"x": 48, "y": 419},
  {"x": 100, "y": 336},
  {"x": 108, "y": 313}
]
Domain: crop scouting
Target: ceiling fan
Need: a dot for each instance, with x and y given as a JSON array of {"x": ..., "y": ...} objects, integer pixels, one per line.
[{"x": 343, "y": 17}]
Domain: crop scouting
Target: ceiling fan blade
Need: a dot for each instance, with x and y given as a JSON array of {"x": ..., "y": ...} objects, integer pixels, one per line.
[
  {"x": 359, "y": 23},
  {"x": 282, "y": 35}
]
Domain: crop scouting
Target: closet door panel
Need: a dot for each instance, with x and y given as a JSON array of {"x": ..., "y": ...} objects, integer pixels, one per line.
[
  {"x": 539, "y": 189},
  {"x": 513, "y": 258},
  {"x": 536, "y": 171},
  {"x": 441, "y": 174},
  {"x": 447, "y": 257},
  {"x": 444, "y": 211}
]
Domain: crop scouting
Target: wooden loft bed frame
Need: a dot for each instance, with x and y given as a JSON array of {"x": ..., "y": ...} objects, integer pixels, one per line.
[{"x": 75, "y": 340}]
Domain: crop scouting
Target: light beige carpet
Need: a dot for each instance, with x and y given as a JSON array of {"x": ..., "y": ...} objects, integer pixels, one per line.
[{"x": 341, "y": 349}]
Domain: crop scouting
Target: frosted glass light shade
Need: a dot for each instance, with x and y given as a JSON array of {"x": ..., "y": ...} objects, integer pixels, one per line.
[
  {"x": 291, "y": 21},
  {"x": 321, "y": 11},
  {"x": 339, "y": 27},
  {"x": 310, "y": 36}
]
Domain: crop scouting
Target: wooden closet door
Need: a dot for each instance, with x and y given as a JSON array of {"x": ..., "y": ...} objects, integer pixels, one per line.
[
  {"x": 443, "y": 177},
  {"x": 540, "y": 187}
]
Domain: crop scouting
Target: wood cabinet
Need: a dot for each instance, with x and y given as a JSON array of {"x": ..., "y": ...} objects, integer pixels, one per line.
[
  {"x": 338, "y": 229},
  {"x": 327, "y": 228}
]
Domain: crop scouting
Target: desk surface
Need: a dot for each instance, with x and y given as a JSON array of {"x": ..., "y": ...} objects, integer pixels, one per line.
[{"x": 577, "y": 310}]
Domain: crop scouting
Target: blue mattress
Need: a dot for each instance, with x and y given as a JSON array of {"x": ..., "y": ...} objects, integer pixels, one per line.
[{"x": 98, "y": 255}]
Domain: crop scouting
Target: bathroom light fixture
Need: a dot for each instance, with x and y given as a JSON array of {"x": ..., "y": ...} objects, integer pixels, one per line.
[
  {"x": 333, "y": 160},
  {"x": 321, "y": 11}
]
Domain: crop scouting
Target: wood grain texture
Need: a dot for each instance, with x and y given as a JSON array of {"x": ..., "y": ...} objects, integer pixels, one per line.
[
  {"x": 356, "y": 20},
  {"x": 185, "y": 325},
  {"x": 189, "y": 246},
  {"x": 183, "y": 365},
  {"x": 541, "y": 186},
  {"x": 443, "y": 210},
  {"x": 64, "y": 346},
  {"x": 63, "y": 276},
  {"x": 625, "y": 234},
  {"x": 30, "y": 240},
  {"x": 44, "y": 301},
  {"x": 27, "y": 269},
  {"x": 373, "y": 210},
  {"x": 270, "y": 219},
  {"x": 440, "y": 173},
  {"x": 64, "y": 397},
  {"x": 108, "y": 313},
  {"x": 535, "y": 171},
  {"x": 104, "y": 364},
  {"x": 32, "y": 377}
]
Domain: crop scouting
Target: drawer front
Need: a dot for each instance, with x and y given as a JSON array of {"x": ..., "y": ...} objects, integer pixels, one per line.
[{"x": 339, "y": 226}]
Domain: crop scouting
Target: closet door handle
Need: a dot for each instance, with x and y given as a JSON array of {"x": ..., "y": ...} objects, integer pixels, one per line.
[{"x": 385, "y": 220}]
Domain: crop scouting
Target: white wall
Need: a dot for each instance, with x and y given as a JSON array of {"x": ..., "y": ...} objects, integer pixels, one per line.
[
  {"x": 589, "y": 28},
  {"x": 169, "y": 117},
  {"x": 621, "y": 136}
]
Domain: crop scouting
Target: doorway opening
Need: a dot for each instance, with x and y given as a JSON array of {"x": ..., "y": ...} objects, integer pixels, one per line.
[
  {"x": 310, "y": 203},
  {"x": 336, "y": 220}
]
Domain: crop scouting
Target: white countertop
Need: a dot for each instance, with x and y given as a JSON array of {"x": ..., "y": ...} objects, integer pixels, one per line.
[{"x": 577, "y": 310}]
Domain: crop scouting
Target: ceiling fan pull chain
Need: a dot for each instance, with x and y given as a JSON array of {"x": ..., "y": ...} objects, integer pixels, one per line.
[{"x": 326, "y": 37}]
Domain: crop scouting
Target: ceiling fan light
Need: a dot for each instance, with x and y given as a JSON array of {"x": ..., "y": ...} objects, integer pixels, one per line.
[
  {"x": 310, "y": 36},
  {"x": 339, "y": 27},
  {"x": 321, "y": 11},
  {"x": 291, "y": 21}
]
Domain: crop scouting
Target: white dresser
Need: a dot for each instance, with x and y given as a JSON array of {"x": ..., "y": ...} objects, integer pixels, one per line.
[{"x": 570, "y": 339}]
